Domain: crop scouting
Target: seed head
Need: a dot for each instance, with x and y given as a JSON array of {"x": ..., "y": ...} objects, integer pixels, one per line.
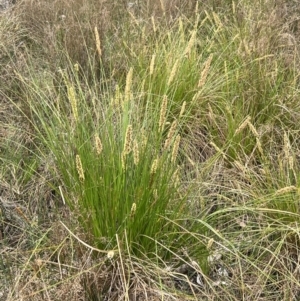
[
  {"x": 196, "y": 97},
  {"x": 117, "y": 100},
  {"x": 191, "y": 43},
  {"x": 175, "y": 177},
  {"x": 128, "y": 85},
  {"x": 259, "y": 146},
  {"x": 170, "y": 134},
  {"x": 73, "y": 100},
  {"x": 175, "y": 149},
  {"x": 128, "y": 140},
  {"x": 98, "y": 145},
  {"x": 173, "y": 73},
  {"x": 253, "y": 129},
  {"x": 210, "y": 243},
  {"x": 154, "y": 166},
  {"x": 217, "y": 20},
  {"x": 153, "y": 23},
  {"x": 127, "y": 144},
  {"x": 197, "y": 7},
  {"x": 205, "y": 71},
  {"x": 243, "y": 125},
  {"x": 286, "y": 190},
  {"x": 162, "y": 115},
  {"x": 136, "y": 153},
  {"x": 79, "y": 168},
  {"x": 76, "y": 67},
  {"x": 240, "y": 166},
  {"x": 133, "y": 210},
  {"x": 182, "y": 109},
  {"x": 152, "y": 64},
  {"x": 98, "y": 44}
]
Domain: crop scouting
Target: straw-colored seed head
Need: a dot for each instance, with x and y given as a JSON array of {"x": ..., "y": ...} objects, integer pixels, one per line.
[
  {"x": 210, "y": 243},
  {"x": 162, "y": 115},
  {"x": 155, "y": 194},
  {"x": 217, "y": 20},
  {"x": 170, "y": 134},
  {"x": 136, "y": 153},
  {"x": 259, "y": 146},
  {"x": 253, "y": 129},
  {"x": 154, "y": 166},
  {"x": 76, "y": 67},
  {"x": 73, "y": 100},
  {"x": 118, "y": 101},
  {"x": 197, "y": 8},
  {"x": 153, "y": 23},
  {"x": 173, "y": 73},
  {"x": 175, "y": 149},
  {"x": 152, "y": 64},
  {"x": 79, "y": 168},
  {"x": 128, "y": 140},
  {"x": 133, "y": 210},
  {"x": 196, "y": 97},
  {"x": 114, "y": 104},
  {"x": 175, "y": 177},
  {"x": 98, "y": 144},
  {"x": 191, "y": 43},
  {"x": 127, "y": 145},
  {"x": 128, "y": 84},
  {"x": 205, "y": 71},
  {"x": 182, "y": 109},
  {"x": 243, "y": 125},
  {"x": 286, "y": 190},
  {"x": 240, "y": 166},
  {"x": 98, "y": 44}
]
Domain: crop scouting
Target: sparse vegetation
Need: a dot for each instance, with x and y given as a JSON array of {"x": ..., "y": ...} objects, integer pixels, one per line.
[{"x": 149, "y": 150}]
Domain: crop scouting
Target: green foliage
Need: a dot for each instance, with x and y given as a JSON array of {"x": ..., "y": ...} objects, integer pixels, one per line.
[{"x": 117, "y": 160}]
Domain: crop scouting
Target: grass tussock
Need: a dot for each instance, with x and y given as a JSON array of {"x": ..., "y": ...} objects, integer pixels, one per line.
[{"x": 149, "y": 151}]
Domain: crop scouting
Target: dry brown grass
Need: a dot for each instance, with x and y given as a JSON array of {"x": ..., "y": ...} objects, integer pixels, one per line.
[
  {"x": 68, "y": 26},
  {"x": 60, "y": 28}
]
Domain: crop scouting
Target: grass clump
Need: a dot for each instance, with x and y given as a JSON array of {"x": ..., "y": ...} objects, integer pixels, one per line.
[{"x": 118, "y": 163}]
